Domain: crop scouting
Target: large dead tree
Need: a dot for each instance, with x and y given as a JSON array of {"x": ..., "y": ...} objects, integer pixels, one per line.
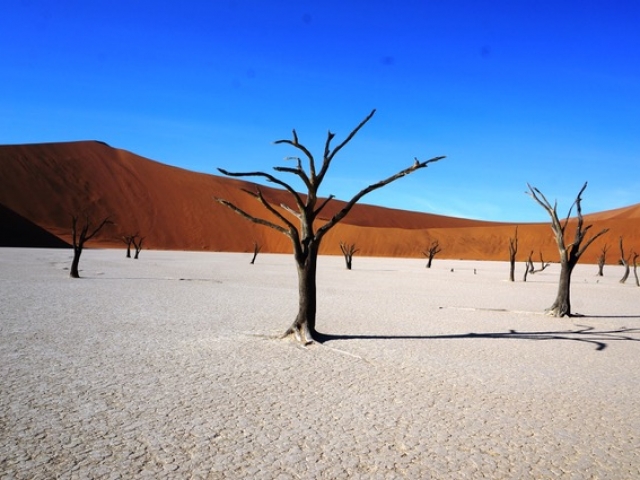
[
  {"x": 432, "y": 251},
  {"x": 569, "y": 253},
  {"x": 81, "y": 235},
  {"x": 348, "y": 251},
  {"x": 308, "y": 234},
  {"x": 513, "y": 249}
]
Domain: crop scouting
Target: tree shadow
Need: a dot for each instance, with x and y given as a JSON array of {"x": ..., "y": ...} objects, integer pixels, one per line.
[{"x": 584, "y": 334}]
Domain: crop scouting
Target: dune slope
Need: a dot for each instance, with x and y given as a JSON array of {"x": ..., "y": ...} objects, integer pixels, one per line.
[{"x": 174, "y": 209}]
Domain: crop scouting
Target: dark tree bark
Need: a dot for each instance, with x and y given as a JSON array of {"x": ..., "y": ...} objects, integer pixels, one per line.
[
  {"x": 307, "y": 236},
  {"x": 80, "y": 237},
  {"x": 635, "y": 268},
  {"x": 137, "y": 244},
  {"x": 513, "y": 249},
  {"x": 624, "y": 261},
  {"x": 432, "y": 251},
  {"x": 348, "y": 250},
  {"x": 569, "y": 254},
  {"x": 602, "y": 258},
  {"x": 256, "y": 250}
]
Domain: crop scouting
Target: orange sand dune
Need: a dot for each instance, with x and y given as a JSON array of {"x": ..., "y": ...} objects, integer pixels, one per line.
[{"x": 45, "y": 184}]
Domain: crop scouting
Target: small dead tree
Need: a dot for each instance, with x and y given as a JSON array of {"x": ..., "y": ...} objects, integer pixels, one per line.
[
  {"x": 256, "y": 250},
  {"x": 137, "y": 244},
  {"x": 602, "y": 258},
  {"x": 81, "y": 235},
  {"x": 348, "y": 250},
  {"x": 513, "y": 249},
  {"x": 624, "y": 261},
  {"x": 432, "y": 251},
  {"x": 529, "y": 268},
  {"x": 635, "y": 268},
  {"x": 128, "y": 241},
  {"x": 307, "y": 236},
  {"x": 543, "y": 265},
  {"x": 569, "y": 254}
]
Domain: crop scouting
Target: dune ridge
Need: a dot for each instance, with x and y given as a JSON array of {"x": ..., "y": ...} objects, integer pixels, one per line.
[{"x": 174, "y": 209}]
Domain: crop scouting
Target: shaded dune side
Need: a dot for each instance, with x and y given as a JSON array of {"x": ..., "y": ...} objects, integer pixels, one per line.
[{"x": 175, "y": 209}]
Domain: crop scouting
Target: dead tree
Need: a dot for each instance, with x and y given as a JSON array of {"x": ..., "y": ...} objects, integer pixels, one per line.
[
  {"x": 569, "y": 254},
  {"x": 543, "y": 265},
  {"x": 256, "y": 250},
  {"x": 513, "y": 249},
  {"x": 635, "y": 268},
  {"x": 307, "y": 236},
  {"x": 624, "y": 261},
  {"x": 128, "y": 241},
  {"x": 80, "y": 237},
  {"x": 432, "y": 251},
  {"x": 529, "y": 268},
  {"x": 137, "y": 244},
  {"x": 348, "y": 250},
  {"x": 602, "y": 258}
]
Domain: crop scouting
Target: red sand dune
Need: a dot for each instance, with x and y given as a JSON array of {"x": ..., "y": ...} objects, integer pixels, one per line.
[{"x": 45, "y": 184}]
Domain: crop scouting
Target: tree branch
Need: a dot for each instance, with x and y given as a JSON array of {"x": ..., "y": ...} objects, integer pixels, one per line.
[
  {"x": 270, "y": 178},
  {"x": 341, "y": 214},
  {"x": 328, "y": 156}
]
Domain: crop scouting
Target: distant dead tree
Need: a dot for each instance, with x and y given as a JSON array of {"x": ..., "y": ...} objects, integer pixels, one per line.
[
  {"x": 137, "y": 244},
  {"x": 569, "y": 254},
  {"x": 432, "y": 251},
  {"x": 256, "y": 250},
  {"x": 602, "y": 258},
  {"x": 624, "y": 261},
  {"x": 635, "y": 268},
  {"x": 529, "y": 268},
  {"x": 513, "y": 249},
  {"x": 306, "y": 237},
  {"x": 81, "y": 235},
  {"x": 128, "y": 241},
  {"x": 348, "y": 250},
  {"x": 543, "y": 265}
]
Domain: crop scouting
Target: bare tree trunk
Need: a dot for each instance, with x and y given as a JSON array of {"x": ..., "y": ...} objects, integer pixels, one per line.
[
  {"x": 602, "y": 260},
  {"x": 303, "y": 328},
  {"x": 635, "y": 268},
  {"x": 75, "y": 273},
  {"x": 625, "y": 262},
  {"x": 137, "y": 244},
  {"x": 562, "y": 304},
  {"x": 513, "y": 249},
  {"x": 256, "y": 250}
]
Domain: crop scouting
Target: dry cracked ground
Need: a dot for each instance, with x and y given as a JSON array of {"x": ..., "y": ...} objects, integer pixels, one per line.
[{"x": 169, "y": 367}]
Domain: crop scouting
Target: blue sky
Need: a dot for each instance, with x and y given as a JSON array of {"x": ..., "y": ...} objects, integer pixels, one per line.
[{"x": 511, "y": 92}]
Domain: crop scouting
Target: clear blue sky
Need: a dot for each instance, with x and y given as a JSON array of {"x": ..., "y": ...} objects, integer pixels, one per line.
[{"x": 511, "y": 91}]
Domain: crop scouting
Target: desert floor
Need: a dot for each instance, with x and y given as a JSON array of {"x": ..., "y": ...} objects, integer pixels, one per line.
[{"x": 168, "y": 367}]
